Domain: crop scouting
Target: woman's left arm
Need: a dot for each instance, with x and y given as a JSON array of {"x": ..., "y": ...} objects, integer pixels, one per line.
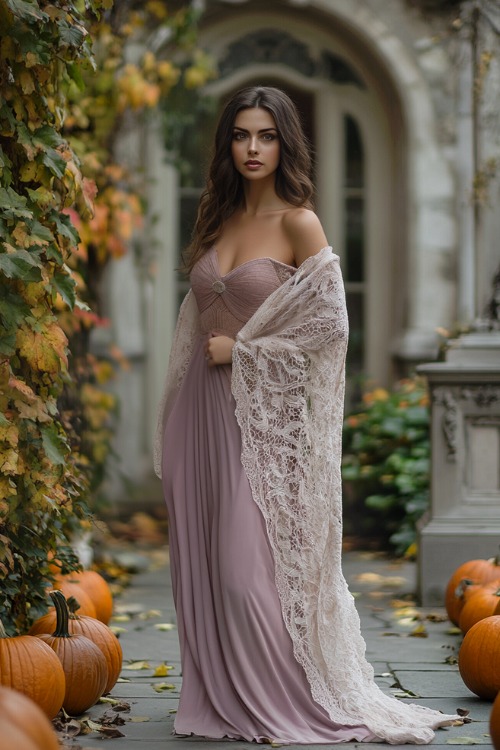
[{"x": 305, "y": 233}]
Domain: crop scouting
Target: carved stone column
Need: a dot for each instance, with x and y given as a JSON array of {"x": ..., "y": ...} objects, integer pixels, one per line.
[{"x": 464, "y": 518}]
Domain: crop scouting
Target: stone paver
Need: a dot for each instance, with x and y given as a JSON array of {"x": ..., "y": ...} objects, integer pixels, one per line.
[{"x": 413, "y": 668}]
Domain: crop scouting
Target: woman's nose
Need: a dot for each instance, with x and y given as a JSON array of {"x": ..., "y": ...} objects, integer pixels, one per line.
[{"x": 252, "y": 146}]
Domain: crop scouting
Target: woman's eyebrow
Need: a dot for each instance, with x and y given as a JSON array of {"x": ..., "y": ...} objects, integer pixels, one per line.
[{"x": 263, "y": 130}]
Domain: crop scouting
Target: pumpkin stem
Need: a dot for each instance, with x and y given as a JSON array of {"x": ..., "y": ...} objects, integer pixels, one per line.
[
  {"x": 73, "y": 606},
  {"x": 462, "y": 586},
  {"x": 62, "y": 614}
]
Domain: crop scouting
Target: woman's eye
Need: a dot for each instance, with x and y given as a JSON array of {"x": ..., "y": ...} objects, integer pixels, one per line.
[
  {"x": 238, "y": 136},
  {"x": 268, "y": 137}
]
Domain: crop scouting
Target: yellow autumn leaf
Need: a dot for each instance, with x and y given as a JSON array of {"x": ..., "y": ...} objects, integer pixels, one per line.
[
  {"x": 107, "y": 699},
  {"x": 419, "y": 632},
  {"x": 9, "y": 462},
  {"x": 164, "y": 626},
  {"x": 137, "y": 665},
  {"x": 162, "y": 670},
  {"x": 160, "y": 687},
  {"x": 27, "y": 172},
  {"x": 121, "y": 618},
  {"x": 31, "y": 60},
  {"x": 43, "y": 350},
  {"x": 117, "y": 630},
  {"x": 27, "y": 82},
  {"x": 10, "y": 434}
]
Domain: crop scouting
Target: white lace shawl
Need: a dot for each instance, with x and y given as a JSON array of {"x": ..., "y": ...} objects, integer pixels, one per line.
[{"x": 288, "y": 383}]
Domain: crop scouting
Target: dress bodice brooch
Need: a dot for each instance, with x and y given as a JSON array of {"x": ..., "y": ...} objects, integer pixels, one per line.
[{"x": 219, "y": 286}]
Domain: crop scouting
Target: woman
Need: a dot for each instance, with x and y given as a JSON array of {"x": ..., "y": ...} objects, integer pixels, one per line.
[{"x": 249, "y": 448}]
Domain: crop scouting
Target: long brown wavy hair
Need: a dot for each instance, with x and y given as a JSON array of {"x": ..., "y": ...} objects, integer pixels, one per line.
[{"x": 224, "y": 194}]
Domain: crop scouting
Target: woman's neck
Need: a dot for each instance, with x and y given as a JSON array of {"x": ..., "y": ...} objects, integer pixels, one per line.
[{"x": 260, "y": 197}]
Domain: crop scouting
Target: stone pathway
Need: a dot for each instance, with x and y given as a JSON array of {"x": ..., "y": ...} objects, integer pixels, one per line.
[{"x": 411, "y": 657}]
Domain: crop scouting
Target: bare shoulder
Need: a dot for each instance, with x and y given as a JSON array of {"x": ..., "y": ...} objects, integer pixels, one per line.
[{"x": 304, "y": 232}]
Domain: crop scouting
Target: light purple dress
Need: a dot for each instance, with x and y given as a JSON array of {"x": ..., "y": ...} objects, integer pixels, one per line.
[{"x": 240, "y": 679}]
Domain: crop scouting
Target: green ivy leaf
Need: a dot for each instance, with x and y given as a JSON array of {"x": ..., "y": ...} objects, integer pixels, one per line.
[
  {"x": 8, "y": 344},
  {"x": 72, "y": 36},
  {"x": 64, "y": 226},
  {"x": 27, "y": 10},
  {"x": 75, "y": 73},
  {"x": 46, "y": 137},
  {"x": 13, "y": 204},
  {"x": 21, "y": 265},
  {"x": 54, "y": 162},
  {"x": 54, "y": 445},
  {"x": 13, "y": 309},
  {"x": 65, "y": 285},
  {"x": 40, "y": 234}
]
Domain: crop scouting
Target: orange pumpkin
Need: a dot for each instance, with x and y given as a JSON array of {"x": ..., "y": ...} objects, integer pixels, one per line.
[
  {"x": 479, "y": 658},
  {"x": 83, "y": 663},
  {"x": 456, "y": 598},
  {"x": 97, "y": 588},
  {"x": 476, "y": 571},
  {"x": 24, "y": 725},
  {"x": 495, "y": 723},
  {"x": 29, "y": 666},
  {"x": 481, "y": 603},
  {"x": 70, "y": 586},
  {"x": 96, "y": 631}
]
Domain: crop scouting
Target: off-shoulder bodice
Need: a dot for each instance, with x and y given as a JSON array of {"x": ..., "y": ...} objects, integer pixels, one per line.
[{"x": 226, "y": 302}]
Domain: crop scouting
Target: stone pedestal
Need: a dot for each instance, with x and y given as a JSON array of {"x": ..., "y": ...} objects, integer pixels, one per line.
[{"x": 464, "y": 519}]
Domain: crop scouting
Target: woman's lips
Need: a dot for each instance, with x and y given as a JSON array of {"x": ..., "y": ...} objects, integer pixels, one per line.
[{"x": 253, "y": 164}]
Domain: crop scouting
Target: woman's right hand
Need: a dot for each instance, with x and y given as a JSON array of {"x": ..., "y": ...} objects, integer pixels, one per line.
[{"x": 219, "y": 350}]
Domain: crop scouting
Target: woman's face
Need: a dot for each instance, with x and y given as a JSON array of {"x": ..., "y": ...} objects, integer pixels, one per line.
[{"x": 255, "y": 146}]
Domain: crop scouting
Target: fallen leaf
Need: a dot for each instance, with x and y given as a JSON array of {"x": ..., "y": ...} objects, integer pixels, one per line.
[
  {"x": 113, "y": 719},
  {"x": 419, "y": 632},
  {"x": 92, "y": 725},
  {"x": 172, "y": 710},
  {"x": 402, "y": 603},
  {"x": 137, "y": 665},
  {"x": 121, "y": 618},
  {"x": 164, "y": 626},
  {"x": 162, "y": 670},
  {"x": 149, "y": 614},
  {"x": 406, "y": 694},
  {"x": 404, "y": 612},
  {"x": 435, "y": 617},
  {"x": 464, "y": 741},
  {"x": 453, "y": 631},
  {"x": 123, "y": 679},
  {"x": 463, "y": 711},
  {"x": 161, "y": 686},
  {"x": 123, "y": 706},
  {"x": 111, "y": 732},
  {"x": 139, "y": 719},
  {"x": 129, "y": 609},
  {"x": 116, "y": 629},
  {"x": 104, "y": 699}
]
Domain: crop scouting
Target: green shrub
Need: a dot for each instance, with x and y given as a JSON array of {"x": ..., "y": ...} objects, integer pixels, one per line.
[{"x": 386, "y": 465}]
